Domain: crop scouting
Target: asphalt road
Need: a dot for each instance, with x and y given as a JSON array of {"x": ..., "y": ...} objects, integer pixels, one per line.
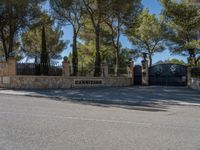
[
  {"x": 29, "y": 123},
  {"x": 121, "y": 95}
]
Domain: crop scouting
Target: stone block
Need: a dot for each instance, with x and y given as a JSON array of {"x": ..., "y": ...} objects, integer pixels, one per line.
[{"x": 6, "y": 80}]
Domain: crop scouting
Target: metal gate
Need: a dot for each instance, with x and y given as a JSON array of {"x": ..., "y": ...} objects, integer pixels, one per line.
[
  {"x": 168, "y": 75},
  {"x": 137, "y": 75}
]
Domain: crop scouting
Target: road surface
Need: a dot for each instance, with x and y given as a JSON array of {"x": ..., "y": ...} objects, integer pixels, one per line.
[{"x": 36, "y": 123}]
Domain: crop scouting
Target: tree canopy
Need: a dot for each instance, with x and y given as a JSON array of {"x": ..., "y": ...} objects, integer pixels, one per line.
[
  {"x": 16, "y": 16},
  {"x": 70, "y": 12},
  {"x": 31, "y": 40},
  {"x": 148, "y": 35},
  {"x": 97, "y": 27},
  {"x": 183, "y": 26}
]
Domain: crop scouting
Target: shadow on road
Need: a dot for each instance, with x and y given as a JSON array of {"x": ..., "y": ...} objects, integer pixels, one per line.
[
  {"x": 140, "y": 106},
  {"x": 149, "y": 98}
]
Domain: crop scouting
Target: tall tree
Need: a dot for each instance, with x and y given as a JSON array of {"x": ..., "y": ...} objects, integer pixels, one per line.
[
  {"x": 70, "y": 12},
  {"x": 31, "y": 40},
  {"x": 148, "y": 36},
  {"x": 1, "y": 52},
  {"x": 15, "y": 16},
  {"x": 184, "y": 29},
  {"x": 96, "y": 10},
  {"x": 88, "y": 44},
  {"x": 44, "y": 54},
  {"x": 122, "y": 14}
]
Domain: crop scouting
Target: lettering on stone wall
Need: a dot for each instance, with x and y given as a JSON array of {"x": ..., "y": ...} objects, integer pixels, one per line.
[{"x": 88, "y": 82}]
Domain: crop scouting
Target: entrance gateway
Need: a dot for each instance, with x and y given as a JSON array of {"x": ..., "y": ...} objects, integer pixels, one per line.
[{"x": 165, "y": 75}]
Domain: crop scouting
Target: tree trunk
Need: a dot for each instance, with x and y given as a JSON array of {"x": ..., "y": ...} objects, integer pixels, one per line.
[
  {"x": 36, "y": 59},
  {"x": 11, "y": 41},
  {"x": 75, "y": 54},
  {"x": 150, "y": 60},
  {"x": 4, "y": 45},
  {"x": 118, "y": 49},
  {"x": 117, "y": 63},
  {"x": 197, "y": 60},
  {"x": 97, "y": 71}
]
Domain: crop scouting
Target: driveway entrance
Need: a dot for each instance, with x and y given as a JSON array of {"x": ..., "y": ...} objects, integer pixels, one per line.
[
  {"x": 163, "y": 75},
  {"x": 168, "y": 75}
]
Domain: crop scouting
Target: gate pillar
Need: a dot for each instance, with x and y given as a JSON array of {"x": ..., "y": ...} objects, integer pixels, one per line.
[
  {"x": 12, "y": 66},
  {"x": 189, "y": 69},
  {"x": 145, "y": 73},
  {"x": 104, "y": 70},
  {"x": 66, "y": 68},
  {"x": 130, "y": 69},
  {"x": 191, "y": 61}
]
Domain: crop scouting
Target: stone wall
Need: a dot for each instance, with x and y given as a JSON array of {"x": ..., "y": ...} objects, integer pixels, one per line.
[
  {"x": 9, "y": 79},
  {"x": 4, "y": 69},
  {"x": 195, "y": 83},
  {"x": 47, "y": 82},
  {"x": 118, "y": 81},
  {"x": 4, "y": 72}
]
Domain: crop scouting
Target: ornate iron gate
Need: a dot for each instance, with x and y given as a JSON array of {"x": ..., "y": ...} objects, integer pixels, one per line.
[{"x": 168, "y": 75}]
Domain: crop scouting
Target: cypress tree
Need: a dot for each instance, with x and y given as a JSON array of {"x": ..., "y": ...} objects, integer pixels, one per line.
[{"x": 44, "y": 54}]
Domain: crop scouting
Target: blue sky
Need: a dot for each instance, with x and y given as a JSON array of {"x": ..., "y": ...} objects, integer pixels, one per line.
[{"x": 154, "y": 8}]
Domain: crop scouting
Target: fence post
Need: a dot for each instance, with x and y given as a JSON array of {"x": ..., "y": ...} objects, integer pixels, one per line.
[
  {"x": 12, "y": 66},
  {"x": 104, "y": 68},
  {"x": 66, "y": 72},
  {"x": 145, "y": 73}
]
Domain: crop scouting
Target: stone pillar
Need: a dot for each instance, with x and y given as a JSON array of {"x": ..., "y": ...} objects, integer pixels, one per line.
[
  {"x": 189, "y": 75},
  {"x": 66, "y": 69},
  {"x": 12, "y": 66},
  {"x": 104, "y": 70},
  {"x": 130, "y": 69},
  {"x": 191, "y": 62},
  {"x": 145, "y": 73}
]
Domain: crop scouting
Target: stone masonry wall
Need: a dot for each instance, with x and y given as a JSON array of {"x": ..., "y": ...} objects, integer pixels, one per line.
[
  {"x": 10, "y": 79},
  {"x": 46, "y": 82},
  {"x": 4, "y": 69},
  {"x": 39, "y": 82},
  {"x": 4, "y": 72},
  {"x": 118, "y": 81}
]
